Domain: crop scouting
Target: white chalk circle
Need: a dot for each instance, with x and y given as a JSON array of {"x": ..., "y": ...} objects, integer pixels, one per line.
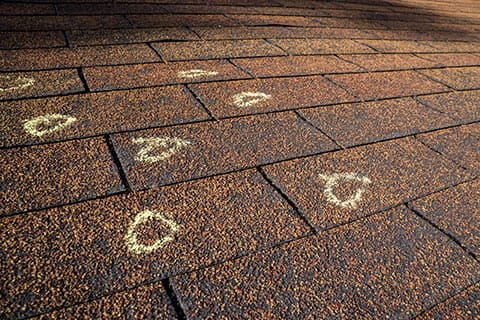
[
  {"x": 196, "y": 73},
  {"x": 172, "y": 145},
  {"x": 131, "y": 238},
  {"x": 247, "y": 99},
  {"x": 331, "y": 181},
  {"x": 50, "y": 123},
  {"x": 8, "y": 83}
]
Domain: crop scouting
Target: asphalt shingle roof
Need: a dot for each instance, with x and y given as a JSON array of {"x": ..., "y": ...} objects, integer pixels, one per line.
[{"x": 279, "y": 159}]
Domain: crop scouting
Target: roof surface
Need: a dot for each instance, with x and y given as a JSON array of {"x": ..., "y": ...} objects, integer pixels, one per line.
[{"x": 240, "y": 159}]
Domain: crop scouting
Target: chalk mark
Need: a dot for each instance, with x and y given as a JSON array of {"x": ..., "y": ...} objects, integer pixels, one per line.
[
  {"x": 151, "y": 143},
  {"x": 18, "y": 83},
  {"x": 131, "y": 238},
  {"x": 46, "y": 124},
  {"x": 196, "y": 73},
  {"x": 333, "y": 180},
  {"x": 247, "y": 99}
]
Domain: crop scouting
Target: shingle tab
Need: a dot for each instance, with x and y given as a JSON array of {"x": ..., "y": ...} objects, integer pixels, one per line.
[
  {"x": 361, "y": 123},
  {"x": 295, "y": 65},
  {"x": 163, "y": 156},
  {"x": 390, "y": 265},
  {"x": 85, "y": 251},
  {"x": 462, "y": 144},
  {"x": 263, "y": 95},
  {"x": 154, "y": 74},
  {"x": 36, "y": 84},
  {"x": 381, "y": 85},
  {"x": 173, "y": 51},
  {"x": 353, "y": 183},
  {"x": 96, "y": 114},
  {"x": 35, "y": 59},
  {"x": 49, "y": 175}
]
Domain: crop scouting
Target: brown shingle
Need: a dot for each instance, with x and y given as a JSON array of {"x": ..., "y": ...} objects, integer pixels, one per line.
[
  {"x": 387, "y": 84},
  {"x": 456, "y": 212},
  {"x": 88, "y": 250},
  {"x": 339, "y": 187},
  {"x": 36, "y": 84},
  {"x": 464, "y": 106},
  {"x": 460, "y": 144},
  {"x": 179, "y": 20},
  {"x": 41, "y": 176},
  {"x": 97, "y": 113},
  {"x": 11, "y": 60},
  {"x": 361, "y": 123},
  {"x": 125, "y": 36},
  {"x": 216, "y": 49},
  {"x": 321, "y": 46},
  {"x": 163, "y": 156},
  {"x": 152, "y": 74},
  {"x": 31, "y": 39},
  {"x": 387, "y": 265},
  {"x": 386, "y": 62},
  {"x": 257, "y": 96},
  {"x": 295, "y": 65},
  {"x": 457, "y": 78}
]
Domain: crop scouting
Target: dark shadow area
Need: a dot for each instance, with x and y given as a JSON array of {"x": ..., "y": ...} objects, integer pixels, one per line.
[{"x": 41, "y": 24}]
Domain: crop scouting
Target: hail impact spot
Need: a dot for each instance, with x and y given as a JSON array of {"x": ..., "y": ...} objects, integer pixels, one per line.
[
  {"x": 331, "y": 181},
  {"x": 47, "y": 124},
  {"x": 131, "y": 238}
]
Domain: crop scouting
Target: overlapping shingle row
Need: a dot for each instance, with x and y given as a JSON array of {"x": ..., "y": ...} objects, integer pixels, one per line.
[{"x": 235, "y": 158}]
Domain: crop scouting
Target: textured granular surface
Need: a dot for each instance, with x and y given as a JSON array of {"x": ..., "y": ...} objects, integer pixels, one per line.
[
  {"x": 461, "y": 144},
  {"x": 295, "y": 65},
  {"x": 204, "y": 149},
  {"x": 239, "y": 159},
  {"x": 84, "y": 251},
  {"x": 172, "y": 51},
  {"x": 456, "y": 212},
  {"x": 457, "y": 78},
  {"x": 122, "y": 36},
  {"x": 256, "y": 96},
  {"x": 464, "y": 106},
  {"x": 452, "y": 59},
  {"x": 398, "y": 46},
  {"x": 59, "y": 118},
  {"x": 254, "y": 32},
  {"x": 153, "y": 74},
  {"x": 108, "y": 8},
  {"x": 321, "y": 46},
  {"x": 338, "y": 187},
  {"x": 355, "y": 124},
  {"x": 460, "y": 46},
  {"x": 464, "y": 306},
  {"x": 147, "y": 302},
  {"x": 11, "y": 60},
  {"x": 51, "y": 175},
  {"x": 326, "y": 33},
  {"x": 36, "y": 84},
  {"x": 387, "y": 265},
  {"x": 53, "y": 22},
  {"x": 31, "y": 39},
  {"x": 177, "y": 20},
  {"x": 387, "y": 84},
  {"x": 385, "y": 62},
  {"x": 259, "y": 20}
]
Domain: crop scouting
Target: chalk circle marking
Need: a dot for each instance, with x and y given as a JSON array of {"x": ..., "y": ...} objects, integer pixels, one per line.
[
  {"x": 53, "y": 122},
  {"x": 196, "y": 73},
  {"x": 247, "y": 99},
  {"x": 151, "y": 143},
  {"x": 331, "y": 181},
  {"x": 15, "y": 84},
  {"x": 131, "y": 237}
]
